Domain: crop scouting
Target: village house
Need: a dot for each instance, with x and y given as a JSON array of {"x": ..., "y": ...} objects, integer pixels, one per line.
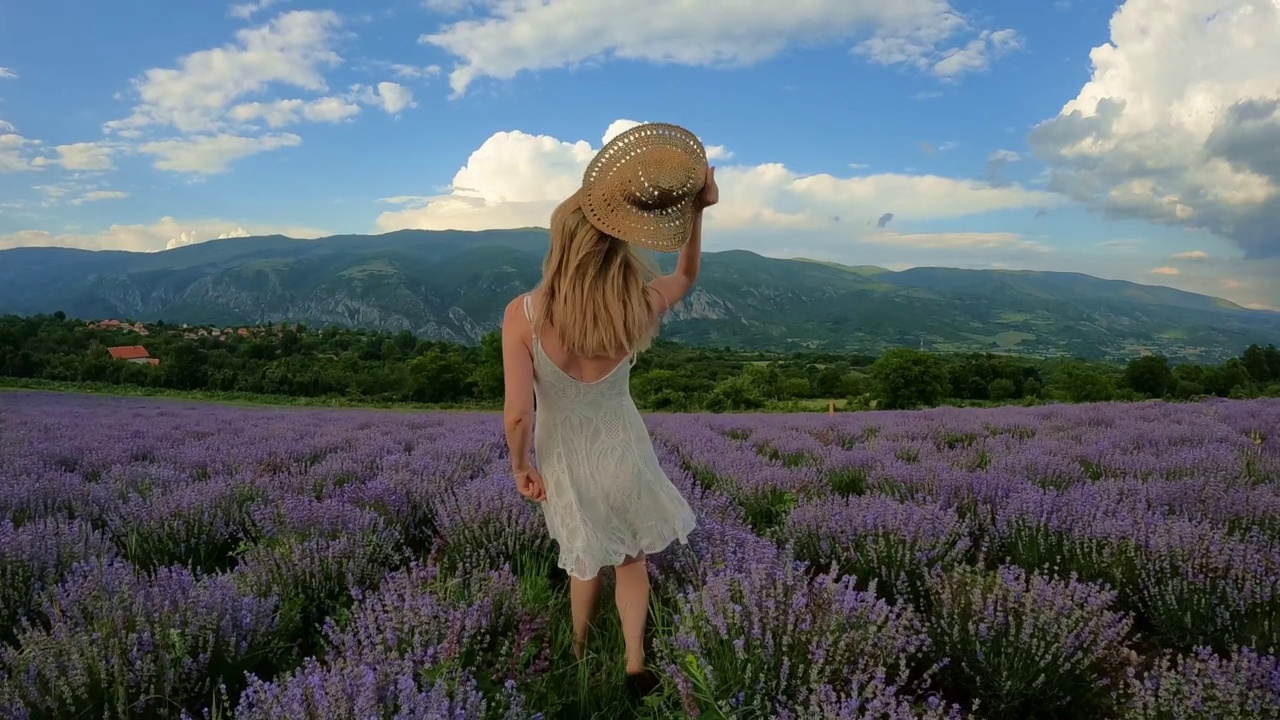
[{"x": 136, "y": 354}]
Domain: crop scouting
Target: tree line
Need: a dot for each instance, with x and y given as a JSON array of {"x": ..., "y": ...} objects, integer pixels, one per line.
[{"x": 365, "y": 366}]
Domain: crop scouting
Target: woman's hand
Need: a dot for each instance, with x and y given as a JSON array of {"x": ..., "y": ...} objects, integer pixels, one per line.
[
  {"x": 529, "y": 484},
  {"x": 710, "y": 193}
]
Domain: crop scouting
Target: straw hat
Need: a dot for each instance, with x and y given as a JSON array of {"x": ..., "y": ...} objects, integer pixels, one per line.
[{"x": 642, "y": 185}]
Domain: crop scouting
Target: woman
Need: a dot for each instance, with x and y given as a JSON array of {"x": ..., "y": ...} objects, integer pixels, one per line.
[{"x": 571, "y": 343}]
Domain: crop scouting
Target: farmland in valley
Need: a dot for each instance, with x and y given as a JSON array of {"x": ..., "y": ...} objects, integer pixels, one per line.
[{"x": 162, "y": 558}]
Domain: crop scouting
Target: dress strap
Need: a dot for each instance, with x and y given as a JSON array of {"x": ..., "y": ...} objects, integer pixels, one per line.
[{"x": 528, "y": 311}]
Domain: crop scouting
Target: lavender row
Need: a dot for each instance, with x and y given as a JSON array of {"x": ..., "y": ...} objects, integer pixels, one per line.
[{"x": 855, "y": 567}]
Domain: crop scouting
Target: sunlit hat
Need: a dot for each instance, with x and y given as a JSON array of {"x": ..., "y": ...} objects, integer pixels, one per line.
[{"x": 642, "y": 185}]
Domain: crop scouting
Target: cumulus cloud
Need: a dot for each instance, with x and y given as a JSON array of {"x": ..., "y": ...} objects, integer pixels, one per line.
[
  {"x": 390, "y": 97},
  {"x": 244, "y": 11},
  {"x": 977, "y": 54},
  {"x": 212, "y": 154},
  {"x": 190, "y": 237},
  {"x": 80, "y": 156},
  {"x": 884, "y": 220},
  {"x": 14, "y": 152},
  {"x": 7, "y": 74},
  {"x": 515, "y": 179},
  {"x": 165, "y": 233},
  {"x": 196, "y": 117},
  {"x": 293, "y": 49},
  {"x": 997, "y": 162},
  {"x": 530, "y": 36},
  {"x": 1159, "y": 136},
  {"x": 1165, "y": 271},
  {"x": 1193, "y": 255}
]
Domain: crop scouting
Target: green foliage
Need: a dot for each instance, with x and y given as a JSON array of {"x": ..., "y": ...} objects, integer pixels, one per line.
[
  {"x": 339, "y": 366},
  {"x": 1081, "y": 382},
  {"x": 905, "y": 378},
  {"x": 1150, "y": 375},
  {"x": 450, "y": 283}
]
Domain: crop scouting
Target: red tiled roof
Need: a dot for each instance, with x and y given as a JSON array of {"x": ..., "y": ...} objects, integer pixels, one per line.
[{"x": 128, "y": 352}]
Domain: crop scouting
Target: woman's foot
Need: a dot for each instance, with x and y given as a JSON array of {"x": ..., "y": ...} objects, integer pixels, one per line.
[{"x": 641, "y": 684}]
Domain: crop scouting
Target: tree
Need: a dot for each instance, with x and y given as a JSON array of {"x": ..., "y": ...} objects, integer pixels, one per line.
[
  {"x": 440, "y": 376},
  {"x": 1149, "y": 375},
  {"x": 736, "y": 393},
  {"x": 487, "y": 375},
  {"x": 1083, "y": 382},
  {"x": 1262, "y": 363},
  {"x": 1002, "y": 389},
  {"x": 905, "y": 378}
]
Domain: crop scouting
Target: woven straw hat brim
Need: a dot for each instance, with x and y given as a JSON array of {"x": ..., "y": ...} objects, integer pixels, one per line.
[{"x": 642, "y": 185}]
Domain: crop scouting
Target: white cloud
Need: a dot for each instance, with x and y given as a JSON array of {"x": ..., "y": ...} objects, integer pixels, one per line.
[
  {"x": 190, "y": 237},
  {"x": 530, "y": 36},
  {"x": 98, "y": 195},
  {"x": 244, "y": 11},
  {"x": 280, "y": 113},
  {"x": 414, "y": 72},
  {"x": 449, "y": 7},
  {"x": 212, "y": 154},
  {"x": 195, "y": 97},
  {"x": 80, "y": 156},
  {"x": 7, "y": 74},
  {"x": 151, "y": 237},
  {"x": 957, "y": 241},
  {"x": 1191, "y": 255},
  {"x": 14, "y": 150},
  {"x": 977, "y": 55},
  {"x": 330, "y": 109},
  {"x": 617, "y": 127},
  {"x": 1180, "y": 122},
  {"x": 1165, "y": 271},
  {"x": 515, "y": 179},
  {"x": 390, "y": 97}
]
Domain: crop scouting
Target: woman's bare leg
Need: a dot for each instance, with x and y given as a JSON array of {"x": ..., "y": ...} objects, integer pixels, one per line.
[
  {"x": 584, "y": 598},
  {"x": 632, "y": 597}
]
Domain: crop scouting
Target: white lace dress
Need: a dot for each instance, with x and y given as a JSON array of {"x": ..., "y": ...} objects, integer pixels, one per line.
[{"x": 607, "y": 497}]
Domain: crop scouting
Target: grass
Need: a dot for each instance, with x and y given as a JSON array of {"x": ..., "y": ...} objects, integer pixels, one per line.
[
  {"x": 592, "y": 688},
  {"x": 241, "y": 399}
]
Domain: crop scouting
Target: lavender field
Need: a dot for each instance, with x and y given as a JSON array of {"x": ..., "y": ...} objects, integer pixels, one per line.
[{"x": 162, "y": 559}]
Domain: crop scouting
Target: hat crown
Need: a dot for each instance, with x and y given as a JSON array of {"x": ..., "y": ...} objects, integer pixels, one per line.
[
  {"x": 641, "y": 186},
  {"x": 662, "y": 178}
]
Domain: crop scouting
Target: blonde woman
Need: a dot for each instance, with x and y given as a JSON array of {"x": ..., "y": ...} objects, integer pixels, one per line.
[{"x": 570, "y": 344}]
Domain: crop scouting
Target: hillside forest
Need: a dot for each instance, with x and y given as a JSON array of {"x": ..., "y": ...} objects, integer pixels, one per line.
[{"x": 353, "y": 366}]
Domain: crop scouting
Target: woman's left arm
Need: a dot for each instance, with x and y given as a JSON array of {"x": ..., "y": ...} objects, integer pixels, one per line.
[{"x": 517, "y": 375}]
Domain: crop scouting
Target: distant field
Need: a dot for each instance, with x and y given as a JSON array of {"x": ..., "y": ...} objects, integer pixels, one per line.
[{"x": 1091, "y": 561}]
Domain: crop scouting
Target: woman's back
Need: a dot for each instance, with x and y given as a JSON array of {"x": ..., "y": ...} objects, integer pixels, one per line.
[{"x": 580, "y": 368}]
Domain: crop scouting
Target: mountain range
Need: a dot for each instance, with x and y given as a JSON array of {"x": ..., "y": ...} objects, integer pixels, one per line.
[{"x": 453, "y": 285}]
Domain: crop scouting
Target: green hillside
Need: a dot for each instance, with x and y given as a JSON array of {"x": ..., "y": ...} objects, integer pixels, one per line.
[{"x": 453, "y": 285}]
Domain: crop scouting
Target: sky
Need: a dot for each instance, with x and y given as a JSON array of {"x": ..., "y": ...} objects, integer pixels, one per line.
[{"x": 1136, "y": 141}]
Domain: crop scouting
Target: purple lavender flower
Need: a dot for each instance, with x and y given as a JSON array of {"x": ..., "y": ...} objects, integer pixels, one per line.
[
  {"x": 894, "y": 543},
  {"x": 120, "y": 644},
  {"x": 414, "y": 646},
  {"x": 767, "y": 635},
  {"x": 1027, "y": 645},
  {"x": 1205, "y": 685},
  {"x": 37, "y": 556}
]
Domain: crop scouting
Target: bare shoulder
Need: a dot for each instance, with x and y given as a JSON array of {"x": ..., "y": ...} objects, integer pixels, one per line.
[{"x": 514, "y": 314}]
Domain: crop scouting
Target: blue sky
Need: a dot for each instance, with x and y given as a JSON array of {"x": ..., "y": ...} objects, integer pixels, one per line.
[{"x": 1134, "y": 140}]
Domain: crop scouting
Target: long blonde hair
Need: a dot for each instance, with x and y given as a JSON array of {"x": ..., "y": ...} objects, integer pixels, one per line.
[{"x": 594, "y": 289}]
